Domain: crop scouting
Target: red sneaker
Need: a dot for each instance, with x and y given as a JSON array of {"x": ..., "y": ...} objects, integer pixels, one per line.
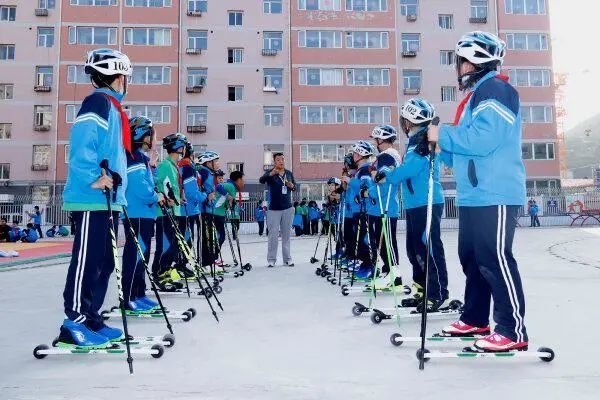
[
  {"x": 497, "y": 342},
  {"x": 459, "y": 328}
]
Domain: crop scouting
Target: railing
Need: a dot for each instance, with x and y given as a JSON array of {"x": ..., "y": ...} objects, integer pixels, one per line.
[
  {"x": 42, "y": 88},
  {"x": 269, "y": 52},
  {"x": 41, "y": 128},
  {"x": 193, "y": 50},
  {"x": 409, "y": 53},
  {"x": 191, "y": 13},
  {"x": 196, "y": 129},
  {"x": 41, "y": 12},
  {"x": 478, "y": 20},
  {"x": 411, "y": 17}
]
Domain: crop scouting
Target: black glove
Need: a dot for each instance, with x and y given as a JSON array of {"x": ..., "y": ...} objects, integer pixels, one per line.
[
  {"x": 364, "y": 192},
  {"x": 379, "y": 176},
  {"x": 422, "y": 148}
]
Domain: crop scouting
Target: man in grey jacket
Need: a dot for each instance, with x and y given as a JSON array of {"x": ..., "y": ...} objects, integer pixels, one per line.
[{"x": 281, "y": 184}]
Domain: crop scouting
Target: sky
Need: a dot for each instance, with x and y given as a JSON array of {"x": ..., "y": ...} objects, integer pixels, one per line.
[{"x": 576, "y": 50}]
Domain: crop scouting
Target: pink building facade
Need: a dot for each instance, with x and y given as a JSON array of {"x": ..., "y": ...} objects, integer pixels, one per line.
[{"x": 246, "y": 79}]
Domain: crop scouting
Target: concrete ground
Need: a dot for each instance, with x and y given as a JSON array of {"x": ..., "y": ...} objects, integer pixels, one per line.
[{"x": 286, "y": 334}]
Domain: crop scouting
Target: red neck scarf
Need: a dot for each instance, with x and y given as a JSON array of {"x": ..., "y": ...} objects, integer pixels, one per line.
[
  {"x": 463, "y": 103},
  {"x": 126, "y": 130}
]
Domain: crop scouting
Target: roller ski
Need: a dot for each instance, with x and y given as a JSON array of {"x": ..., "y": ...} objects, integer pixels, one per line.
[
  {"x": 42, "y": 351},
  {"x": 184, "y": 316},
  {"x": 167, "y": 341},
  {"x": 131, "y": 313},
  {"x": 454, "y": 307},
  {"x": 545, "y": 354}
]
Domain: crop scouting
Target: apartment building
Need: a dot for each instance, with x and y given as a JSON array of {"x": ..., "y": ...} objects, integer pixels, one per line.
[{"x": 249, "y": 78}]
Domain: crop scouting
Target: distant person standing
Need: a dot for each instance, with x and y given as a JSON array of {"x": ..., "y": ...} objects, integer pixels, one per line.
[
  {"x": 36, "y": 216},
  {"x": 259, "y": 214},
  {"x": 281, "y": 184},
  {"x": 534, "y": 210}
]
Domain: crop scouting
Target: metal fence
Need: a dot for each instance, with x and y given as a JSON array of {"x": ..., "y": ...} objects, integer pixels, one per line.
[{"x": 557, "y": 209}]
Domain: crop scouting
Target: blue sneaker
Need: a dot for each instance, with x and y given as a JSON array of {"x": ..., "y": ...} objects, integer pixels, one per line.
[
  {"x": 73, "y": 334},
  {"x": 112, "y": 334},
  {"x": 364, "y": 272},
  {"x": 151, "y": 303},
  {"x": 137, "y": 307}
]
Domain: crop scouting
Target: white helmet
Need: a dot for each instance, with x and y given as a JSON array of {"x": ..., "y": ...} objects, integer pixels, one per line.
[
  {"x": 417, "y": 111},
  {"x": 481, "y": 48},
  {"x": 384, "y": 132},
  {"x": 334, "y": 181},
  {"x": 363, "y": 148},
  {"x": 208, "y": 156},
  {"x": 107, "y": 62}
]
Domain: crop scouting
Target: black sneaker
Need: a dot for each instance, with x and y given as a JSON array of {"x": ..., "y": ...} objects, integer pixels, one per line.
[
  {"x": 289, "y": 264},
  {"x": 270, "y": 266}
]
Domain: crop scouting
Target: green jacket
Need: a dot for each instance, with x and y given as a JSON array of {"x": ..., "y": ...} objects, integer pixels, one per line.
[
  {"x": 167, "y": 171},
  {"x": 304, "y": 209},
  {"x": 221, "y": 203}
]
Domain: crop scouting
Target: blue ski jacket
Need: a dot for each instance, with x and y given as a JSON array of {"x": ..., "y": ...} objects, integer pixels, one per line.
[
  {"x": 378, "y": 203},
  {"x": 141, "y": 198},
  {"x": 361, "y": 179},
  {"x": 486, "y": 146},
  {"x": 96, "y": 135},
  {"x": 413, "y": 175},
  {"x": 207, "y": 177},
  {"x": 193, "y": 196},
  {"x": 313, "y": 213}
]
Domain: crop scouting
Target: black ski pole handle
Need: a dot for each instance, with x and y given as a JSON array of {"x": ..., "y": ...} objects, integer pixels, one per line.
[
  {"x": 117, "y": 180},
  {"x": 435, "y": 122},
  {"x": 171, "y": 194}
]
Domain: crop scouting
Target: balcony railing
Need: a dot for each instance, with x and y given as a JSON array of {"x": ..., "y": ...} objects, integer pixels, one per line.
[
  {"x": 412, "y": 91},
  {"x": 193, "y": 51},
  {"x": 269, "y": 52},
  {"x": 39, "y": 167},
  {"x": 41, "y": 128},
  {"x": 194, "y": 13},
  {"x": 478, "y": 20},
  {"x": 411, "y": 17},
  {"x": 409, "y": 53},
  {"x": 194, "y": 89},
  {"x": 196, "y": 129},
  {"x": 42, "y": 88},
  {"x": 41, "y": 12}
]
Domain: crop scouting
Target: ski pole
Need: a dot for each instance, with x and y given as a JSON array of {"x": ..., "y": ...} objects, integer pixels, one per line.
[
  {"x": 115, "y": 252},
  {"x": 246, "y": 266},
  {"x": 179, "y": 255},
  {"x": 432, "y": 146},
  {"x": 145, "y": 264}
]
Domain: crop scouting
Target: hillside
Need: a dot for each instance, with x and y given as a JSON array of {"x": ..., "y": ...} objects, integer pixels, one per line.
[{"x": 583, "y": 147}]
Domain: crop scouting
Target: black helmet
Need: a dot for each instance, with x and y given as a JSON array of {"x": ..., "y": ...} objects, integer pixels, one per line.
[{"x": 174, "y": 142}]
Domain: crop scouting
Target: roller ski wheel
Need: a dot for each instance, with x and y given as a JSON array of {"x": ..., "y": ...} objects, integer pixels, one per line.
[
  {"x": 357, "y": 310},
  {"x": 36, "y": 351},
  {"x": 376, "y": 318},
  {"x": 406, "y": 290},
  {"x": 221, "y": 278},
  {"x": 455, "y": 305},
  {"x": 160, "y": 351},
  {"x": 328, "y": 278},
  {"x": 169, "y": 339},
  {"x": 114, "y": 308},
  {"x": 218, "y": 289},
  {"x": 187, "y": 316},
  {"x": 421, "y": 355},
  {"x": 314, "y": 260},
  {"x": 318, "y": 272},
  {"x": 323, "y": 273},
  {"x": 192, "y": 311},
  {"x": 105, "y": 314},
  {"x": 236, "y": 275},
  {"x": 549, "y": 357},
  {"x": 333, "y": 281},
  {"x": 247, "y": 267},
  {"x": 396, "y": 339},
  {"x": 345, "y": 291}
]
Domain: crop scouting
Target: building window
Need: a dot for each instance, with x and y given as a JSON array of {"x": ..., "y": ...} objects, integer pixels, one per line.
[
  {"x": 320, "y": 39},
  {"x": 479, "y": 9},
  {"x": 42, "y": 116},
  {"x": 536, "y": 114},
  {"x": 235, "y": 131},
  {"x": 322, "y": 5},
  {"x": 529, "y": 77},
  {"x": 368, "y": 77},
  {"x": 44, "y": 76},
  {"x": 8, "y": 13},
  {"x": 273, "y": 77},
  {"x": 45, "y": 37},
  {"x": 367, "y": 40},
  {"x": 537, "y": 151},
  {"x": 235, "y": 56},
  {"x": 527, "y": 41},
  {"x": 448, "y": 93},
  {"x": 157, "y": 114},
  {"x": 235, "y": 18},
  {"x": 409, "y": 7},
  {"x": 95, "y": 2},
  {"x": 446, "y": 21},
  {"x": 198, "y": 40},
  {"x": 321, "y": 115},
  {"x": 197, "y": 6},
  {"x": 411, "y": 42},
  {"x": 150, "y": 76},
  {"x": 197, "y": 115},
  {"x": 76, "y": 74},
  {"x": 6, "y": 91},
  {"x": 92, "y": 35},
  {"x": 4, "y": 171},
  {"x": 369, "y": 115},
  {"x": 273, "y": 41},
  {"x": 71, "y": 111},
  {"x": 197, "y": 77},
  {"x": 46, "y": 4},
  {"x": 272, "y": 6},
  {"x": 235, "y": 93},
  {"x": 323, "y": 153},
  {"x": 447, "y": 57},
  {"x": 366, "y": 5},
  {"x": 7, "y": 51},
  {"x": 321, "y": 76},
  {"x": 5, "y": 131},
  {"x": 273, "y": 115},
  {"x": 147, "y": 36},
  {"x": 41, "y": 155},
  {"x": 412, "y": 79},
  {"x": 147, "y": 3},
  {"x": 525, "y": 7},
  {"x": 235, "y": 166}
]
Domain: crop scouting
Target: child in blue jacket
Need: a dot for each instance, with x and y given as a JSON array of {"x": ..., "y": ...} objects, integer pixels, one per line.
[
  {"x": 313, "y": 215},
  {"x": 485, "y": 143}
]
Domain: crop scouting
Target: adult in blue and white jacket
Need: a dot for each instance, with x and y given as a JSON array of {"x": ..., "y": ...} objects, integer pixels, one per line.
[
  {"x": 384, "y": 203},
  {"x": 490, "y": 183},
  {"x": 142, "y": 202},
  {"x": 98, "y": 134},
  {"x": 209, "y": 161},
  {"x": 413, "y": 175}
]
